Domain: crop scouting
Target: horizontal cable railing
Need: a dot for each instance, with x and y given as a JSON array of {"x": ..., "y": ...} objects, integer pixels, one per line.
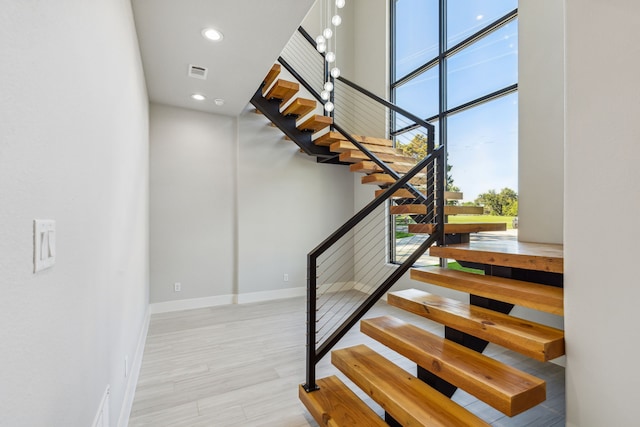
[{"x": 350, "y": 271}]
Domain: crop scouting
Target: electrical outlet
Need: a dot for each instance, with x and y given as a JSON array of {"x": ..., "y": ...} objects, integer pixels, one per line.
[
  {"x": 177, "y": 287},
  {"x": 286, "y": 277}
]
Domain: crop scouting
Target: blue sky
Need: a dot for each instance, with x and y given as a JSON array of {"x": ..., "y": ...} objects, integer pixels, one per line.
[{"x": 483, "y": 140}]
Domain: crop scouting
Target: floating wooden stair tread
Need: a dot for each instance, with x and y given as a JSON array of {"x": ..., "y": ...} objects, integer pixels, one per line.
[
  {"x": 453, "y": 195},
  {"x": 315, "y": 123},
  {"x": 273, "y": 73},
  {"x": 283, "y": 90},
  {"x": 412, "y": 209},
  {"x": 458, "y": 228},
  {"x": 407, "y": 399},
  {"x": 537, "y": 341},
  {"x": 463, "y": 210},
  {"x": 355, "y": 156},
  {"x": 526, "y": 294},
  {"x": 378, "y": 179},
  {"x": 335, "y": 405},
  {"x": 367, "y": 166},
  {"x": 506, "y": 253},
  {"x": 300, "y": 107},
  {"x": 402, "y": 193},
  {"x": 372, "y": 140},
  {"x": 505, "y": 388},
  {"x": 331, "y": 137},
  {"x": 342, "y": 146}
]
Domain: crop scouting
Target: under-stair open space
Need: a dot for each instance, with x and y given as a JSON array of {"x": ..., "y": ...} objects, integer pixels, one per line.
[{"x": 222, "y": 367}]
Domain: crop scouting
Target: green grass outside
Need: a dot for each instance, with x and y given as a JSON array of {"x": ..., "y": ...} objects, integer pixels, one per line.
[
  {"x": 458, "y": 219},
  {"x": 456, "y": 266},
  {"x": 402, "y": 234}
]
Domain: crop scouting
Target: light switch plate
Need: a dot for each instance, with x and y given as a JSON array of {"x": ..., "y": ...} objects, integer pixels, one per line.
[{"x": 44, "y": 244}]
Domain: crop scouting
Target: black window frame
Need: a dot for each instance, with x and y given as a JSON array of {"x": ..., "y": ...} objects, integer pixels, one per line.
[{"x": 440, "y": 60}]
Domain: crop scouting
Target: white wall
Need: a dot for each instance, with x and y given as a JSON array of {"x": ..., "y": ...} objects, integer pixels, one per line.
[
  {"x": 234, "y": 207},
  {"x": 73, "y": 148},
  {"x": 192, "y": 197},
  {"x": 541, "y": 120},
  {"x": 601, "y": 181},
  {"x": 287, "y": 204}
]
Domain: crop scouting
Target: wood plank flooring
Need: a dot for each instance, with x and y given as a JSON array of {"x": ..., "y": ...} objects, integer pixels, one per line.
[{"x": 240, "y": 366}]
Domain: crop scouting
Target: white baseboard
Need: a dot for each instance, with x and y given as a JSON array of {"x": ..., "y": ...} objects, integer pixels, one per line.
[
  {"x": 190, "y": 304},
  {"x": 270, "y": 295},
  {"x": 134, "y": 372},
  {"x": 102, "y": 416}
]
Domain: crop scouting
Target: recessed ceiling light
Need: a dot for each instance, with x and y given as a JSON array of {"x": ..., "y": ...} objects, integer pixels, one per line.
[
  {"x": 219, "y": 101},
  {"x": 198, "y": 97},
  {"x": 212, "y": 34}
]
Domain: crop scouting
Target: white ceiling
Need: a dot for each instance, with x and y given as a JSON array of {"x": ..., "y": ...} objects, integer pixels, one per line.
[{"x": 255, "y": 32}]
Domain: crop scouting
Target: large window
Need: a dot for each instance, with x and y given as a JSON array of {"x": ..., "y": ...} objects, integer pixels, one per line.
[{"x": 455, "y": 64}]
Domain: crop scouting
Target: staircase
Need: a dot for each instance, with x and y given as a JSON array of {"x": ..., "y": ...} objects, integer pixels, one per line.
[
  {"x": 514, "y": 274},
  {"x": 455, "y": 360},
  {"x": 301, "y": 116}
]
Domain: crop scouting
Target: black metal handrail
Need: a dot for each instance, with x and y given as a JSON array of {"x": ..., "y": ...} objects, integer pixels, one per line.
[
  {"x": 369, "y": 94},
  {"x": 418, "y": 122},
  {"x": 314, "y": 355},
  {"x": 434, "y": 165}
]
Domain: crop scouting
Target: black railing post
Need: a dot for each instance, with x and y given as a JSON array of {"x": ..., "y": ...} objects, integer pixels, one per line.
[
  {"x": 441, "y": 164},
  {"x": 312, "y": 275},
  {"x": 432, "y": 164}
]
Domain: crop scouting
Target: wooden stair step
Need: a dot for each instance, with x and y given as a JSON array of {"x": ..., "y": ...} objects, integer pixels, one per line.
[
  {"x": 283, "y": 90},
  {"x": 355, "y": 156},
  {"x": 526, "y": 294},
  {"x": 373, "y": 140},
  {"x": 532, "y": 339},
  {"x": 367, "y": 166},
  {"x": 408, "y": 400},
  {"x": 453, "y": 195},
  {"x": 412, "y": 209},
  {"x": 273, "y": 73},
  {"x": 378, "y": 179},
  {"x": 458, "y": 228},
  {"x": 330, "y": 137},
  {"x": 505, "y": 388},
  {"x": 463, "y": 210},
  {"x": 383, "y": 179},
  {"x": 402, "y": 193},
  {"x": 315, "y": 123},
  {"x": 300, "y": 107},
  {"x": 335, "y": 405},
  {"x": 342, "y": 146},
  {"x": 506, "y": 253}
]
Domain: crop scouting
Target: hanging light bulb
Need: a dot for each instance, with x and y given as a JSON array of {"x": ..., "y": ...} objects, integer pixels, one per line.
[
  {"x": 321, "y": 47},
  {"x": 320, "y": 39},
  {"x": 327, "y": 33},
  {"x": 340, "y": 4},
  {"x": 336, "y": 20},
  {"x": 330, "y": 57},
  {"x": 335, "y": 72},
  {"x": 328, "y": 86},
  {"x": 328, "y": 106},
  {"x": 325, "y": 95}
]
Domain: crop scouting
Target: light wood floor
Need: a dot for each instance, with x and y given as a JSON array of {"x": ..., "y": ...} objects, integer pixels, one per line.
[{"x": 240, "y": 366}]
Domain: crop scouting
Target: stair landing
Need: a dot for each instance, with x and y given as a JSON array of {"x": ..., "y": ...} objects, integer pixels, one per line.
[{"x": 506, "y": 253}]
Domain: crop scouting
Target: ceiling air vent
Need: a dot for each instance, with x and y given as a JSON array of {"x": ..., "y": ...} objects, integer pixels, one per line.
[{"x": 197, "y": 72}]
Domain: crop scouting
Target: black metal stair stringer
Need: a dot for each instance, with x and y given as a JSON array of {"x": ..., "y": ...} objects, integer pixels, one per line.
[{"x": 287, "y": 124}]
